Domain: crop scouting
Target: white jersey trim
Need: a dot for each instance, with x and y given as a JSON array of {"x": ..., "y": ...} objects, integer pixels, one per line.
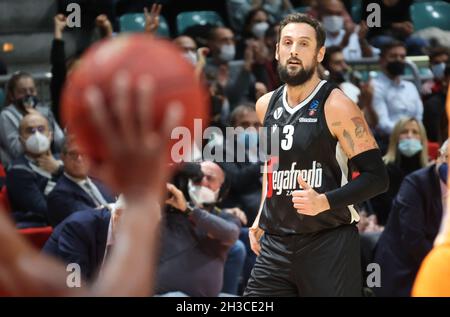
[{"x": 304, "y": 102}]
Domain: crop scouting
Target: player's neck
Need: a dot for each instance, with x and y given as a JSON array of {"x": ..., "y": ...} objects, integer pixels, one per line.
[{"x": 296, "y": 94}]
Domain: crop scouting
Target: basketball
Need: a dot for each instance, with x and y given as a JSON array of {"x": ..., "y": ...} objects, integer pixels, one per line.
[{"x": 138, "y": 55}]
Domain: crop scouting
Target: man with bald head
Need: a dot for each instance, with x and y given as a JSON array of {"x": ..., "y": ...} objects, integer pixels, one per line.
[{"x": 32, "y": 176}]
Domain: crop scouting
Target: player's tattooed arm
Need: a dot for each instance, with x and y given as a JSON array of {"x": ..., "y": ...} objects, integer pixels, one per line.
[{"x": 348, "y": 125}]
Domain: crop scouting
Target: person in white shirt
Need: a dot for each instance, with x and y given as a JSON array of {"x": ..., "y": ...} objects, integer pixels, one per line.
[
  {"x": 351, "y": 38},
  {"x": 393, "y": 97}
]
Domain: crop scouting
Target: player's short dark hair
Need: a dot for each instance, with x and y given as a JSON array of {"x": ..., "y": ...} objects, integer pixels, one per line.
[
  {"x": 303, "y": 18},
  {"x": 390, "y": 45}
]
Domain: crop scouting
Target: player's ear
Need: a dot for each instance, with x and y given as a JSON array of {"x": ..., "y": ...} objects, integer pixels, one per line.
[
  {"x": 321, "y": 54},
  {"x": 277, "y": 55}
]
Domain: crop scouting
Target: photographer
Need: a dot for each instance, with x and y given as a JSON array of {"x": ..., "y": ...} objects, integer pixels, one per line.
[{"x": 196, "y": 236}]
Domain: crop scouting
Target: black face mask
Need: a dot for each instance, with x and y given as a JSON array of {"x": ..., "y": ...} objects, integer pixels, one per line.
[
  {"x": 396, "y": 68},
  {"x": 28, "y": 101}
]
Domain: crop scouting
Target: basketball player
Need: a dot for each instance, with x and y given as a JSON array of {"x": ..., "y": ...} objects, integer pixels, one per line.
[
  {"x": 309, "y": 243},
  {"x": 129, "y": 271}
]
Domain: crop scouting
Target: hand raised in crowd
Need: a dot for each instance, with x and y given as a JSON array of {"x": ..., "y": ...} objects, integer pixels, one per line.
[
  {"x": 48, "y": 162},
  {"x": 60, "y": 23},
  {"x": 177, "y": 199},
  {"x": 202, "y": 52},
  {"x": 152, "y": 18},
  {"x": 104, "y": 25},
  {"x": 362, "y": 30}
]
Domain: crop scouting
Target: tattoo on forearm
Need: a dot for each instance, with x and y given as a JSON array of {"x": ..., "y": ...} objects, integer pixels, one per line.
[
  {"x": 349, "y": 140},
  {"x": 360, "y": 127},
  {"x": 336, "y": 124}
]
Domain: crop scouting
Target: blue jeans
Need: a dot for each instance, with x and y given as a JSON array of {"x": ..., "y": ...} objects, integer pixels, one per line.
[{"x": 233, "y": 268}]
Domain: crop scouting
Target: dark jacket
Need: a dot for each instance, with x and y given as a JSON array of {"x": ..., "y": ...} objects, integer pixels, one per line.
[
  {"x": 67, "y": 197},
  {"x": 81, "y": 238},
  {"x": 409, "y": 235}
]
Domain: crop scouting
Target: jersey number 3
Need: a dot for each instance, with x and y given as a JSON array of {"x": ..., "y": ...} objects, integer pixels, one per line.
[{"x": 286, "y": 142}]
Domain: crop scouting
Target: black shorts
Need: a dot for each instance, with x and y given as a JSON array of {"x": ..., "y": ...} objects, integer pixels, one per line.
[{"x": 325, "y": 263}]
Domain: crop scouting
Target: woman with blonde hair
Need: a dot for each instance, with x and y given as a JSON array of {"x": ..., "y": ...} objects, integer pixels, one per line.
[{"x": 407, "y": 152}]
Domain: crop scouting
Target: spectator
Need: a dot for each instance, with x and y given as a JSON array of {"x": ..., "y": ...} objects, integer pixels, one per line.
[
  {"x": 439, "y": 57},
  {"x": 196, "y": 57},
  {"x": 393, "y": 97},
  {"x": 202, "y": 241},
  {"x": 34, "y": 174},
  {"x": 412, "y": 227},
  {"x": 61, "y": 65},
  {"x": 244, "y": 175},
  {"x": 75, "y": 190},
  {"x": 351, "y": 38},
  {"x": 83, "y": 238},
  {"x": 407, "y": 152},
  {"x": 234, "y": 76},
  {"x": 339, "y": 73},
  {"x": 396, "y": 24},
  {"x": 434, "y": 114},
  {"x": 21, "y": 97}
]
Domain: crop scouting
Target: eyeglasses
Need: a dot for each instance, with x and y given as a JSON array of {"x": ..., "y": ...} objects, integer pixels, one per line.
[
  {"x": 73, "y": 155},
  {"x": 32, "y": 130}
]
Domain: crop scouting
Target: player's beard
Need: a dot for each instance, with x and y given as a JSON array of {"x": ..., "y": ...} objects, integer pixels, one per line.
[{"x": 298, "y": 78}]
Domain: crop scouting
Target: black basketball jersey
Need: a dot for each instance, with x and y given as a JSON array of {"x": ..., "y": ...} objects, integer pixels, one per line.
[{"x": 307, "y": 147}]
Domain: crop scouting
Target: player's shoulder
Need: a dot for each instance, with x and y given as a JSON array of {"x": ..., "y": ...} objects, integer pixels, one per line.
[
  {"x": 339, "y": 101},
  {"x": 262, "y": 104}
]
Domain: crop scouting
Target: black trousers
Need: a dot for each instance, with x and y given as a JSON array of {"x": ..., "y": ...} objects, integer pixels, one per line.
[{"x": 325, "y": 263}]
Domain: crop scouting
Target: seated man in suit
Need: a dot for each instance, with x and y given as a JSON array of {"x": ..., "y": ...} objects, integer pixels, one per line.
[
  {"x": 412, "y": 227},
  {"x": 195, "y": 242},
  {"x": 75, "y": 190},
  {"x": 32, "y": 176},
  {"x": 84, "y": 237}
]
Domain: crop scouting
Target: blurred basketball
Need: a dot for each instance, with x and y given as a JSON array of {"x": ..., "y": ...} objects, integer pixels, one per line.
[{"x": 138, "y": 55}]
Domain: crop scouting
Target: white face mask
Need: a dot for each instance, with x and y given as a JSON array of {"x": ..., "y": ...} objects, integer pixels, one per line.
[
  {"x": 333, "y": 23},
  {"x": 227, "y": 52},
  {"x": 37, "y": 143},
  {"x": 191, "y": 57},
  {"x": 259, "y": 29},
  {"x": 201, "y": 195},
  {"x": 438, "y": 70}
]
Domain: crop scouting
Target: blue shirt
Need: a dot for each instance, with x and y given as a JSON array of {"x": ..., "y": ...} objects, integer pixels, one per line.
[{"x": 393, "y": 101}]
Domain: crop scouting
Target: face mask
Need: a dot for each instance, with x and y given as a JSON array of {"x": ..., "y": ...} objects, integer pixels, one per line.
[
  {"x": 259, "y": 29},
  {"x": 409, "y": 147},
  {"x": 443, "y": 172},
  {"x": 28, "y": 101},
  {"x": 191, "y": 57},
  {"x": 227, "y": 52},
  {"x": 395, "y": 68},
  {"x": 438, "y": 70},
  {"x": 333, "y": 23},
  {"x": 201, "y": 195},
  {"x": 37, "y": 143}
]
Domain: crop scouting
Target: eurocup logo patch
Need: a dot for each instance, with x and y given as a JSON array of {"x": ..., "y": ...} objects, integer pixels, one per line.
[
  {"x": 277, "y": 113},
  {"x": 313, "y": 107}
]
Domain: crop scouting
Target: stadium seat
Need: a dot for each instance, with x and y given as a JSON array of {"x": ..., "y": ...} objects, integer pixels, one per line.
[
  {"x": 37, "y": 236},
  {"x": 190, "y": 18},
  {"x": 356, "y": 11},
  {"x": 433, "y": 149},
  {"x": 2, "y": 97},
  {"x": 431, "y": 14},
  {"x": 135, "y": 22},
  {"x": 4, "y": 200},
  {"x": 302, "y": 9}
]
